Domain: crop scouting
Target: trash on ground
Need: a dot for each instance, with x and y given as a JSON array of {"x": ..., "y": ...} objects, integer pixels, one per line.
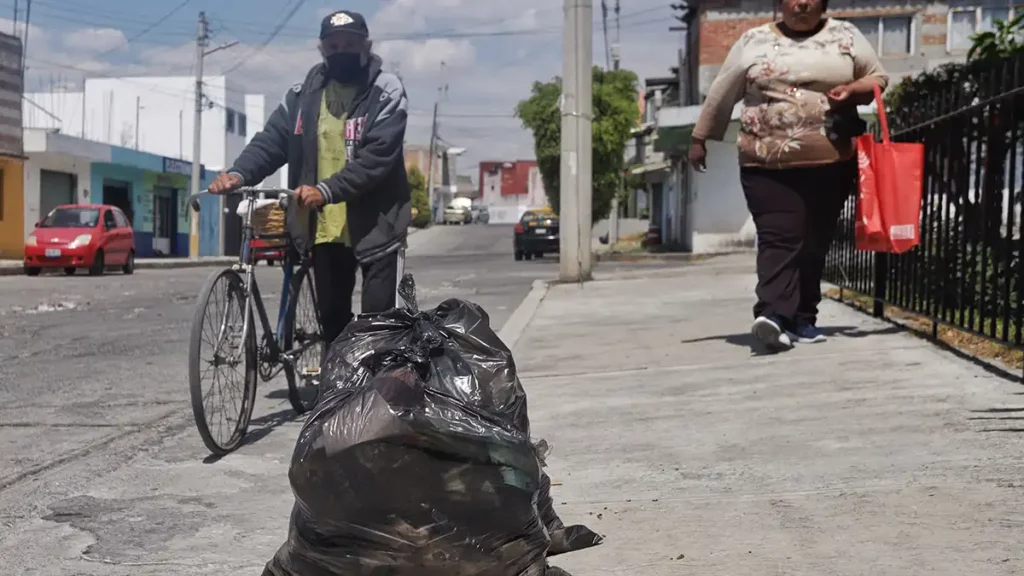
[{"x": 418, "y": 460}]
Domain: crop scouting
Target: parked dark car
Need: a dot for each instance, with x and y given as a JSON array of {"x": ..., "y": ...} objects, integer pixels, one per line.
[{"x": 536, "y": 235}]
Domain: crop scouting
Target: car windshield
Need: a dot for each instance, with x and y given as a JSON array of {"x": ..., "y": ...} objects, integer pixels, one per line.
[{"x": 71, "y": 218}]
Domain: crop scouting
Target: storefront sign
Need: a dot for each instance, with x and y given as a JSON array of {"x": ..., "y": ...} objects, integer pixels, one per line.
[{"x": 176, "y": 166}]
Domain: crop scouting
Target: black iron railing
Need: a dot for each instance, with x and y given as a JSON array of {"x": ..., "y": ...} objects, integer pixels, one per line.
[{"x": 968, "y": 271}]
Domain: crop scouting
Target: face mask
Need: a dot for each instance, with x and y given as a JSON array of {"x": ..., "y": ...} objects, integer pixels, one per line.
[{"x": 344, "y": 67}]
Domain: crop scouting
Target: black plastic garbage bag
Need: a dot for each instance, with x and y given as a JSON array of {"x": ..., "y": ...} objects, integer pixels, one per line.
[{"x": 418, "y": 460}]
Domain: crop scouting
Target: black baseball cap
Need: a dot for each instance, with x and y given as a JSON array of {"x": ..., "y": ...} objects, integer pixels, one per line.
[{"x": 343, "y": 21}]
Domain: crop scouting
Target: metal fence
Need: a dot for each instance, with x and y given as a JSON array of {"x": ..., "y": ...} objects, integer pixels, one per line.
[{"x": 968, "y": 271}]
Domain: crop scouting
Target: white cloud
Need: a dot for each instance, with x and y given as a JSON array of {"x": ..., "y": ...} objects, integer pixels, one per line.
[
  {"x": 95, "y": 40},
  {"x": 486, "y": 75}
]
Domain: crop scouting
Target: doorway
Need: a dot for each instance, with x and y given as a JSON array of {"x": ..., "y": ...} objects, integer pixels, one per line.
[
  {"x": 55, "y": 189},
  {"x": 165, "y": 221},
  {"x": 119, "y": 194}
]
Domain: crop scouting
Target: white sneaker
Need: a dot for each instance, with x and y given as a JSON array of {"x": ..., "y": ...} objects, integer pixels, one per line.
[{"x": 770, "y": 333}]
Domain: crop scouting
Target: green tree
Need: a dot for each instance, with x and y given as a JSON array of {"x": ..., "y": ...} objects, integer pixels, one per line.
[
  {"x": 615, "y": 114},
  {"x": 1002, "y": 42},
  {"x": 420, "y": 198}
]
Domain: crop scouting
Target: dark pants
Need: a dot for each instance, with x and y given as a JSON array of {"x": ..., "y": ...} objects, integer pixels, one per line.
[
  {"x": 795, "y": 211},
  {"x": 334, "y": 271}
]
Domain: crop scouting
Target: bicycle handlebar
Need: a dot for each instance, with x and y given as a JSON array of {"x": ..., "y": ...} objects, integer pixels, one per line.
[{"x": 284, "y": 196}]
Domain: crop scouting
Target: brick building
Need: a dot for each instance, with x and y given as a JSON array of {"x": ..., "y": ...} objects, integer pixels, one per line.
[{"x": 909, "y": 36}]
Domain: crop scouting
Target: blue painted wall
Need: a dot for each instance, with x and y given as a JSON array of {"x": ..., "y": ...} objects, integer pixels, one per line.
[{"x": 142, "y": 172}]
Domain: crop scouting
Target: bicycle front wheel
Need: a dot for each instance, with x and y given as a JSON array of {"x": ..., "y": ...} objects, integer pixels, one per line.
[
  {"x": 222, "y": 363},
  {"x": 303, "y": 334}
]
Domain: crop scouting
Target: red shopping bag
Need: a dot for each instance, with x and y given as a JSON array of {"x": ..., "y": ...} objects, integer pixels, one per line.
[{"x": 889, "y": 192}]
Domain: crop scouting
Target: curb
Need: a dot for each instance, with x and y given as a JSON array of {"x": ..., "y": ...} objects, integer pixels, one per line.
[
  {"x": 516, "y": 324},
  {"x": 146, "y": 265},
  {"x": 664, "y": 256}
]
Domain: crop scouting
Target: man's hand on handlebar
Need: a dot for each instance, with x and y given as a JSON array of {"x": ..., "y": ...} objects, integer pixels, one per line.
[
  {"x": 224, "y": 183},
  {"x": 309, "y": 197}
]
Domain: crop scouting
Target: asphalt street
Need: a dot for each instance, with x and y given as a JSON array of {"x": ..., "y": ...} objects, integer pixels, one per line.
[{"x": 101, "y": 470}]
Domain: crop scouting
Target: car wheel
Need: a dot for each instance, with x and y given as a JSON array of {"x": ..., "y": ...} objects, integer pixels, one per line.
[
  {"x": 69, "y": 271},
  {"x": 519, "y": 256},
  {"x": 529, "y": 255},
  {"x": 98, "y": 264},
  {"x": 32, "y": 271},
  {"x": 538, "y": 254},
  {"x": 129, "y": 265},
  {"x": 270, "y": 262}
]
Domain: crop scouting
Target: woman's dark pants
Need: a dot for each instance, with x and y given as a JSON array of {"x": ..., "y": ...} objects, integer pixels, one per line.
[{"x": 795, "y": 211}]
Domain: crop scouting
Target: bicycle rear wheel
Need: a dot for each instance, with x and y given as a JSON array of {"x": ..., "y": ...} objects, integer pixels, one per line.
[
  {"x": 218, "y": 353},
  {"x": 303, "y": 331}
]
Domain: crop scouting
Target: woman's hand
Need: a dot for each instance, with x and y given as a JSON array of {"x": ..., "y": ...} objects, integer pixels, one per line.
[
  {"x": 859, "y": 92},
  {"x": 698, "y": 155}
]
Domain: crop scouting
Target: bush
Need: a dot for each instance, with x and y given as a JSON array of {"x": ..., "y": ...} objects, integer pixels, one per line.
[{"x": 420, "y": 198}]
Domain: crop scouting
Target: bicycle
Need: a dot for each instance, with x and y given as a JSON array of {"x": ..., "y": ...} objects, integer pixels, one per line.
[{"x": 234, "y": 341}]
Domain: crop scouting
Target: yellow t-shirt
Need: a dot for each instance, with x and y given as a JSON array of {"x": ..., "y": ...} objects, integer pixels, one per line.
[{"x": 332, "y": 225}]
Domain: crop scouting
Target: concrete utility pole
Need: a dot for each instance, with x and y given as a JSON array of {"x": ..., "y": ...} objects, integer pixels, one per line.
[
  {"x": 202, "y": 40},
  {"x": 197, "y": 132},
  {"x": 613, "y": 219},
  {"x": 437, "y": 214},
  {"x": 577, "y": 138},
  {"x": 430, "y": 167}
]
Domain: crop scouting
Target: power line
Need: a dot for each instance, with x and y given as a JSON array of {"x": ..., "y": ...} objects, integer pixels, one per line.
[
  {"x": 269, "y": 39},
  {"x": 147, "y": 30}
]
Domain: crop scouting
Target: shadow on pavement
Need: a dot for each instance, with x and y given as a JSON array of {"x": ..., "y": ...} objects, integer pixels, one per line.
[
  {"x": 991, "y": 414},
  {"x": 747, "y": 340},
  {"x": 260, "y": 428}
]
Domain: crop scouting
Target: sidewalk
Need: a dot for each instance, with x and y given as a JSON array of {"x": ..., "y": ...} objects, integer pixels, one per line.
[{"x": 873, "y": 454}]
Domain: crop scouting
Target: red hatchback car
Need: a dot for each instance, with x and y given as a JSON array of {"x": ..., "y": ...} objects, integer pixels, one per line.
[{"x": 73, "y": 236}]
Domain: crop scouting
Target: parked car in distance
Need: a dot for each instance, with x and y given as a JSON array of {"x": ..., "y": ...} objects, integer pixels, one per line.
[
  {"x": 457, "y": 214},
  {"x": 481, "y": 214},
  {"x": 73, "y": 236},
  {"x": 536, "y": 234}
]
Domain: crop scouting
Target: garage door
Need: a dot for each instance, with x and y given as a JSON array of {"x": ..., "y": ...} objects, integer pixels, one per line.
[{"x": 55, "y": 188}]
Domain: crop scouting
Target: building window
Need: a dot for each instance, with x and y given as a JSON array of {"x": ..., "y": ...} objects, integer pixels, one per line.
[
  {"x": 890, "y": 35},
  {"x": 966, "y": 22},
  {"x": 241, "y": 125},
  {"x": 230, "y": 120}
]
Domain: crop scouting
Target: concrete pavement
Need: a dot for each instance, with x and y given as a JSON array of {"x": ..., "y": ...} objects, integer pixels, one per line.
[
  {"x": 101, "y": 470},
  {"x": 872, "y": 454}
]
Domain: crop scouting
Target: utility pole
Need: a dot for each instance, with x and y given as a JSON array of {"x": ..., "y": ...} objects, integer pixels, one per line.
[
  {"x": 613, "y": 220},
  {"x": 430, "y": 167},
  {"x": 202, "y": 40},
  {"x": 576, "y": 176},
  {"x": 138, "y": 106},
  {"x": 197, "y": 133},
  {"x": 437, "y": 213}
]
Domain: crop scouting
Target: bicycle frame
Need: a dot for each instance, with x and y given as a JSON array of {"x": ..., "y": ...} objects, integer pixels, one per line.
[{"x": 254, "y": 306}]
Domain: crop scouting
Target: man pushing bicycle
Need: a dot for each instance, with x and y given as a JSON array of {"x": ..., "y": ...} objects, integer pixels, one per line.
[{"x": 341, "y": 134}]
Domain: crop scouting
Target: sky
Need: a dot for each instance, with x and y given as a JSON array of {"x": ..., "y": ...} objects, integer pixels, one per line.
[{"x": 487, "y": 52}]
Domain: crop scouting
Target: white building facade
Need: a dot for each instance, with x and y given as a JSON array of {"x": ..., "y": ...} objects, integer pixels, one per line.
[{"x": 155, "y": 115}]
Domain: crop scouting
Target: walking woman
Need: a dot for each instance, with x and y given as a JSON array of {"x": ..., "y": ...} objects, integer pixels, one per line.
[{"x": 800, "y": 81}]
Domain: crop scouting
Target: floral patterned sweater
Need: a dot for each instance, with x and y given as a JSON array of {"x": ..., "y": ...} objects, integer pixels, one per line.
[{"x": 782, "y": 82}]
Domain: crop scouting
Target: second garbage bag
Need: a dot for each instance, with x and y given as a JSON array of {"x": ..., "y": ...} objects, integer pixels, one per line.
[{"x": 418, "y": 461}]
